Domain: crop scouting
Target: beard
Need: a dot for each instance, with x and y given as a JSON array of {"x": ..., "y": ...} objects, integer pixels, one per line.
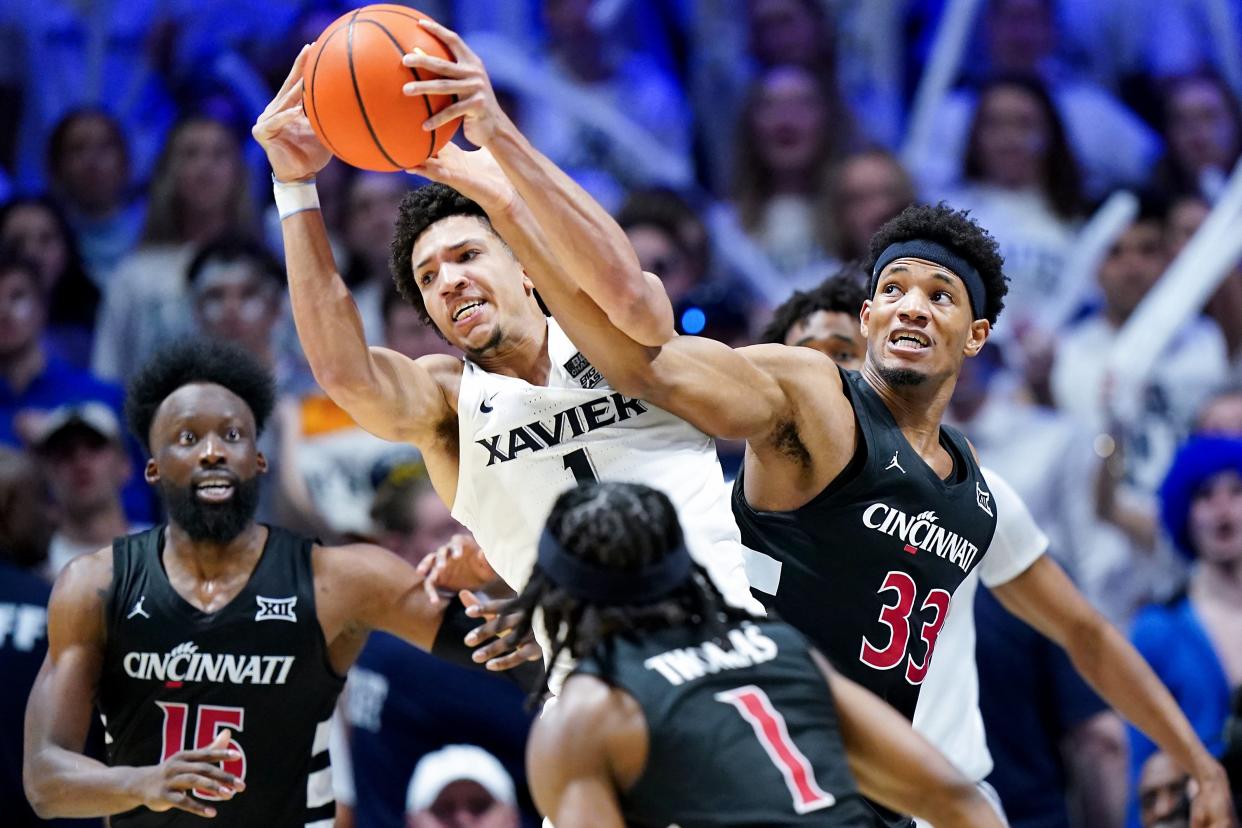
[
  {"x": 900, "y": 377},
  {"x": 490, "y": 345},
  {"x": 212, "y": 522}
]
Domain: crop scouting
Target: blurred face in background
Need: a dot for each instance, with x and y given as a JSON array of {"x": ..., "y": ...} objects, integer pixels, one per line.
[
  {"x": 1222, "y": 415},
  {"x": 22, "y": 313},
  {"x": 1202, "y": 132},
  {"x": 85, "y": 470},
  {"x": 1162, "y": 794},
  {"x": 464, "y": 804},
  {"x": 786, "y": 31},
  {"x": 1185, "y": 217},
  {"x": 1216, "y": 520},
  {"x": 92, "y": 171},
  {"x": 1020, "y": 33},
  {"x": 1012, "y": 135},
  {"x": 32, "y": 231},
  {"x": 835, "y": 334},
  {"x": 406, "y": 333},
  {"x": 1133, "y": 264},
  {"x": 371, "y": 215},
  {"x": 237, "y": 301},
  {"x": 660, "y": 254},
  {"x": 206, "y": 168},
  {"x": 789, "y": 121},
  {"x": 871, "y": 188}
]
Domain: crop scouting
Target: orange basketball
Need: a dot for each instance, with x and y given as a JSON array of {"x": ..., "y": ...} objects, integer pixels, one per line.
[{"x": 352, "y": 89}]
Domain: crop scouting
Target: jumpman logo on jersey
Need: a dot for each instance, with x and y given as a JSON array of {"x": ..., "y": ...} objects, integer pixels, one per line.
[
  {"x": 893, "y": 463},
  {"x": 138, "y": 610},
  {"x": 485, "y": 406}
]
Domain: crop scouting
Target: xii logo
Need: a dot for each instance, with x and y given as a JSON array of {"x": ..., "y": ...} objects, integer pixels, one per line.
[{"x": 275, "y": 609}]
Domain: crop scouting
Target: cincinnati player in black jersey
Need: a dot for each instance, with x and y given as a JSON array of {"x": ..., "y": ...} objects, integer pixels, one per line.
[
  {"x": 867, "y": 511},
  {"x": 214, "y": 647},
  {"x": 683, "y": 710}
]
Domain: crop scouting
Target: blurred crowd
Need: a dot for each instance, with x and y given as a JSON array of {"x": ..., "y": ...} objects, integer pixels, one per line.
[{"x": 749, "y": 150}]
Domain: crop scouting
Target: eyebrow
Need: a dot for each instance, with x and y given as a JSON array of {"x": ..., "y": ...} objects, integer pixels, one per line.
[{"x": 450, "y": 248}]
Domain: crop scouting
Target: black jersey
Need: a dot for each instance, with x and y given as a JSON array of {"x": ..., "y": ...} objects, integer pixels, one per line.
[
  {"x": 740, "y": 735},
  {"x": 869, "y": 565},
  {"x": 174, "y": 677}
]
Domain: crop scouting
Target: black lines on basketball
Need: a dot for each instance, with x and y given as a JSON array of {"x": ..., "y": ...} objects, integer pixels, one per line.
[
  {"x": 415, "y": 18},
  {"x": 321, "y": 128},
  {"x": 353, "y": 74},
  {"x": 413, "y": 71}
]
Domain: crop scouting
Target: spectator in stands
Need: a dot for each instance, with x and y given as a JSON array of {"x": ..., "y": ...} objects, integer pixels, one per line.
[
  {"x": 1203, "y": 132},
  {"x": 786, "y": 143},
  {"x": 1194, "y": 642},
  {"x": 1113, "y": 145},
  {"x": 825, "y": 318},
  {"x": 401, "y": 703},
  {"x": 1222, "y": 413},
  {"x": 1194, "y": 363},
  {"x": 460, "y": 786},
  {"x": 33, "y": 381},
  {"x": 88, "y": 163},
  {"x": 867, "y": 189},
  {"x": 1163, "y": 794},
  {"x": 24, "y": 524},
  {"x": 372, "y": 201},
  {"x": 81, "y": 451},
  {"x": 35, "y": 229},
  {"x": 1020, "y": 179},
  {"x": 669, "y": 240},
  {"x": 200, "y": 192}
]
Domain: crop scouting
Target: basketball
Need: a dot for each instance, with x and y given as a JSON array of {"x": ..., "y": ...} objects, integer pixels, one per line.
[{"x": 352, "y": 89}]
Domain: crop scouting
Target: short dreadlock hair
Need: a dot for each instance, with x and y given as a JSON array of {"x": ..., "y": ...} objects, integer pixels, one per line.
[
  {"x": 957, "y": 231},
  {"x": 197, "y": 360},
  {"x": 623, "y": 526},
  {"x": 840, "y": 293},
  {"x": 420, "y": 209}
]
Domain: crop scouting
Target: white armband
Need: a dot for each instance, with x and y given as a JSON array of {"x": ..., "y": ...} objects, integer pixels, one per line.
[{"x": 294, "y": 196}]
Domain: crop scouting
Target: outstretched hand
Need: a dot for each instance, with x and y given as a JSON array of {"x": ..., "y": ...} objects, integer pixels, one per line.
[
  {"x": 455, "y": 566},
  {"x": 475, "y": 175},
  {"x": 1212, "y": 805},
  {"x": 498, "y": 647},
  {"x": 464, "y": 76},
  {"x": 283, "y": 130}
]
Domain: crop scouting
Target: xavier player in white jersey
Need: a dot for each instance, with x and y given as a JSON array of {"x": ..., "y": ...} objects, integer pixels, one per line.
[{"x": 525, "y": 415}]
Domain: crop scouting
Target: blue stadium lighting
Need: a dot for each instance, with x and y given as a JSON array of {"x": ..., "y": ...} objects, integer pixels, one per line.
[{"x": 693, "y": 320}]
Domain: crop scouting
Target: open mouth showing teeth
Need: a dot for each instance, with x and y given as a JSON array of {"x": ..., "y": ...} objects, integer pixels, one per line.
[
  {"x": 912, "y": 340},
  {"x": 215, "y": 490},
  {"x": 467, "y": 310}
]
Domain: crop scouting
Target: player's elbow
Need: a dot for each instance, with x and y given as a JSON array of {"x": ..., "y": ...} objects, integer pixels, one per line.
[
  {"x": 39, "y": 787},
  {"x": 644, "y": 315}
]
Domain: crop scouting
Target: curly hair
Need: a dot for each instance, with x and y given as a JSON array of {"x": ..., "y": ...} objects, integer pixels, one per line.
[
  {"x": 623, "y": 526},
  {"x": 420, "y": 209},
  {"x": 957, "y": 231},
  {"x": 840, "y": 293},
  {"x": 197, "y": 360}
]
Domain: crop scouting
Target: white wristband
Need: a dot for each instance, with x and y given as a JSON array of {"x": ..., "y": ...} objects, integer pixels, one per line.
[{"x": 294, "y": 196}]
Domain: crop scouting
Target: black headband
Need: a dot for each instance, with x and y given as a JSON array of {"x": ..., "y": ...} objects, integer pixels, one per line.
[
  {"x": 938, "y": 254},
  {"x": 597, "y": 584}
]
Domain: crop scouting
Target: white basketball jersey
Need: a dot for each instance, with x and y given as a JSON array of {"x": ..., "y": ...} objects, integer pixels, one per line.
[{"x": 522, "y": 445}]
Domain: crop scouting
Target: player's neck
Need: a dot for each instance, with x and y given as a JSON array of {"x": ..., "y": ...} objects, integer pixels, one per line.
[
  {"x": 208, "y": 561},
  {"x": 523, "y": 355},
  {"x": 918, "y": 409}
]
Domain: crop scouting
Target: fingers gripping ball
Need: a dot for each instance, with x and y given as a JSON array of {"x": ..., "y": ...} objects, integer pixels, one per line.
[{"x": 352, "y": 89}]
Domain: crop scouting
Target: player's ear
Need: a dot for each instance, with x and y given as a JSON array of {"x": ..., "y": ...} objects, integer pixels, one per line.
[
  {"x": 979, "y": 330},
  {"x": 527, "y": 284},
  {"x": 260, "y": 462},
  {"x": 864, "y": 316},
  {"x": 152, "y": 472}
]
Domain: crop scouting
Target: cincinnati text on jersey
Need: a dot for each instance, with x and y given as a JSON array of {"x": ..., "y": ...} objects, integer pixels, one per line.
[
  {"x": 749, "y": 647},
  {"x": 185, "y": 663},
  {"x": 579, "y": 420},
  {"x": 920, "y": 532}
]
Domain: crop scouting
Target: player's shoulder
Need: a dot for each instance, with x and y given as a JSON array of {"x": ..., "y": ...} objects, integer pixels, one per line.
[
  {"x": 588, "y": 713},
  {"x": 790, "y": 358},
  {"x": 85, "y": 574},
  {"x": 80, "y": 596}
]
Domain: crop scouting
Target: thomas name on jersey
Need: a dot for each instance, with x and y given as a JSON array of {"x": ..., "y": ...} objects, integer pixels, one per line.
[
  {"x": 580, "y": 419},
  {"x": 185, "y": 663},
  {"x": 920, "y": 533},
  {"x": 750, "y": 647}
]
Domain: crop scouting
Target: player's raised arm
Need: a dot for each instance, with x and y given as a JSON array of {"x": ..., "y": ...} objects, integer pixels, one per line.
[
  {"x": 896, "y": 766},
  {"x": 59, "y": 780},
  {"x": 568, "y": 764},
  {"x": 388, "y": 394},
  {"x": 590, "y": 245}
]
